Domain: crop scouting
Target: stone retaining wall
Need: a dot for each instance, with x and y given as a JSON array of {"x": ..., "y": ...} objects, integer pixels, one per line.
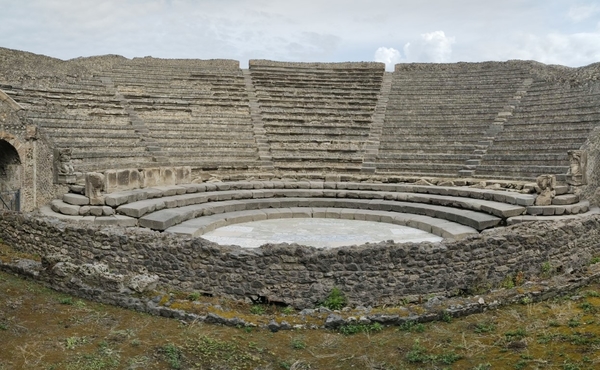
[{"x": 371, "y": 274}]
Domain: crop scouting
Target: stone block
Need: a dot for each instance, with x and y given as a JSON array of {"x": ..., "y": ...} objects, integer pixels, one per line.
[
  {"x": 374, "y": 216},
  {"x": 107, "y": 211},
  {"x": 126, "y": 179},
  {"x": 151, "y": 177},
  {"x": 548, "y": 211},
  {"x": 316, "y": 184},
  {"x": 84, "y": 210},
  {"x": 168, "y": 191},
  {"x": 161, "y": 220},
  {"x": 94, "y": 186},
  {"x": 259, "y": 215},
  {"x": 223, "y": 186},
  {"x": 561, "y": 200},
  {"x": 561, "y": 189},
  {"x": 68, "y": 209},
  {"x": 279, "y": 213},
  {"x": 333, "y": 213},
  {"x": 153, "y": 193},
  {"x": 55, "y": 205},
  {"x": 76, "y": 199},
  {"x": 96, "y": 211},
  {"x": 185, "y": 231},
  {"x": 240, "y": 217},
  {"x": 535, "y": 210},
  {"x": 347, "y": 214},
  {"x": 183, "y": 175},
  {"x": 301, "y": 212},
  {"x": 189, "y": 188},
  {"x": 116, "y": 220},
  {"x": 97, "y": 201},
  {"x": 421, "y": 223},
  {"x": 116, "y": 199},
  {"x": 387, "y": 217},
  {"x": 48, "y": 211},
  {"x": 140, "y": 208},
  {"x": 319, "y": 212},
  {"x": 167, "y": 176},
  {"x": 292, "y": 202}
]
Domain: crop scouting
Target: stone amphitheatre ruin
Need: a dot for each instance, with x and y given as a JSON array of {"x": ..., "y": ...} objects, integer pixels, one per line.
[{"x": 127, "y": 162}]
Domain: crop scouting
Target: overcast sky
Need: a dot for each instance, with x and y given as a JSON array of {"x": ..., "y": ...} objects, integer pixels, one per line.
[{"x": 392, "y": 31}]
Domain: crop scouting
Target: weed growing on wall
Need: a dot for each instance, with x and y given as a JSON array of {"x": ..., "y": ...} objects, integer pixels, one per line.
[{"x": 336, "y": 300}]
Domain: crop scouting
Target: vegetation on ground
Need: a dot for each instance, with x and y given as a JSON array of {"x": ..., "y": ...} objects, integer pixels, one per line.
[{"x": 43, "y": 329}]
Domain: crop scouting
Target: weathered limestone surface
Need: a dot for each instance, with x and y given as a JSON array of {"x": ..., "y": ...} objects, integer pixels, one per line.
[{"x": 301, "y": 276}]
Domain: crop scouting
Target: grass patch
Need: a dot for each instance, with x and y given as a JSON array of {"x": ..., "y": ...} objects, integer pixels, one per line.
[
  {"x": 360, "y": 328},
  {"x": 419, "y": 354},
  {"x": 37, "y": 332},
  {"x": 172, "y": 355},
  {"x": 412, "y": 326}
]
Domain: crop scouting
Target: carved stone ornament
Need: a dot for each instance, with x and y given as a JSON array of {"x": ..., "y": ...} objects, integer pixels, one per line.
[
  {"x": 64, "y": 173},
  {"x": 545, "y": 185},
  {"x": 65, "y": 166},
  {"x": 577, "y": 167}
]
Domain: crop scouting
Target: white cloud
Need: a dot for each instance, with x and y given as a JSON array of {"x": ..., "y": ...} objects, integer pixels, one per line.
[
  {"x": 432, "y": 47},
  {"x": 569, "y": 49},
  {"x": 582, "y": 12},
  {"x": 389, "y": 56}
]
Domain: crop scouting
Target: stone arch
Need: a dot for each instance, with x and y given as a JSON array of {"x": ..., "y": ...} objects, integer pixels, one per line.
[{"x": 11, "y": 173}]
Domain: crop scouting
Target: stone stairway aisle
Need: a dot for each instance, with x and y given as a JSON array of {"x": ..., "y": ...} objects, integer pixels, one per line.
[
  {"x": 371, "y": 148},
  {"x": 138, "y": 124},
  {"x": 497, "y": 126},
  {"x": 262, "y": 143}
]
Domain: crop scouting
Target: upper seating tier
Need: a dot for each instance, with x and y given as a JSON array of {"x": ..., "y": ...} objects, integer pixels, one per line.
[{"x": 504, "y": 120}]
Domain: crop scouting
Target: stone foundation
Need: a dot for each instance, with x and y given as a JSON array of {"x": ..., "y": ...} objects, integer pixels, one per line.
[{"x": 371, "y": 274}]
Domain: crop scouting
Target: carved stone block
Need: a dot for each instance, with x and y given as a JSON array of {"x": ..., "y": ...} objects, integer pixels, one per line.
[
  {"x": 64, "y": 173},
  {"x": 94, "y": 186},
  {"x": 151, "y": 177},
  {"x": 545, "y": 185},
  {"x": 577, "y": 167}
]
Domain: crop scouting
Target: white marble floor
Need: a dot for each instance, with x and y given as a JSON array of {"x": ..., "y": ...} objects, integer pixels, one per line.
[{"x": 316, "y": 232}]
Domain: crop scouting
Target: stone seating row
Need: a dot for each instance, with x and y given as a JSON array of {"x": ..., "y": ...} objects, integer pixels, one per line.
[
  {"x": 163, "y": 219},
  {"x": 178, "y": 207},
  {"x": 116, "y": 199},
  {"x": 315, "y": 93},
  {"x": 455, "y": 98},
  {"x": 140, "y": 208},
  {"x": 446, "y": 229}
]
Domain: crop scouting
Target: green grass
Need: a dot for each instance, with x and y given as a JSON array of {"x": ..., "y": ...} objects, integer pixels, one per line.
[{"x": 39, "y": 331}]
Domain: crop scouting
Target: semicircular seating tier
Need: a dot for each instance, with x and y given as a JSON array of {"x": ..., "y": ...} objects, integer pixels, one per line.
[
  {"x": 194, "y": 209},
  {"x": 439, "y": 114},
  {"x": 316, "y": 116},
  {"x": 545, "y": 120}
]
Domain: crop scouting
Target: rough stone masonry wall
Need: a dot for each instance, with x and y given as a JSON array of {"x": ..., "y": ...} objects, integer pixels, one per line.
[
  {"x": 371, "y": 274},
  {"x": 591, "y": 191}
]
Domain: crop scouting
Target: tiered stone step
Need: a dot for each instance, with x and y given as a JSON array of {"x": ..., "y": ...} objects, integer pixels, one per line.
[
  {"x": 322, "y": 111},
  {"x": 436, "y": 110},
  {"x": 446, "y": 229},
  {"x": 198, "y": 115},
  {"x": 155, "y": 207},
  {"x": 552, "y": 118},
  {"x": 162, "y": 208},
  {"x": 87, "y": 118}
]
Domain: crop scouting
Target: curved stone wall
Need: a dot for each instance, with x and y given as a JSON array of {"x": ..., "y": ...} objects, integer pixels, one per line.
[{"x": 371, "y": 274}]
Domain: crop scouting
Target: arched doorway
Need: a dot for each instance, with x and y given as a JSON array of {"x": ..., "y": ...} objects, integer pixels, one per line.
[{"x": 10, "y": 177}]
